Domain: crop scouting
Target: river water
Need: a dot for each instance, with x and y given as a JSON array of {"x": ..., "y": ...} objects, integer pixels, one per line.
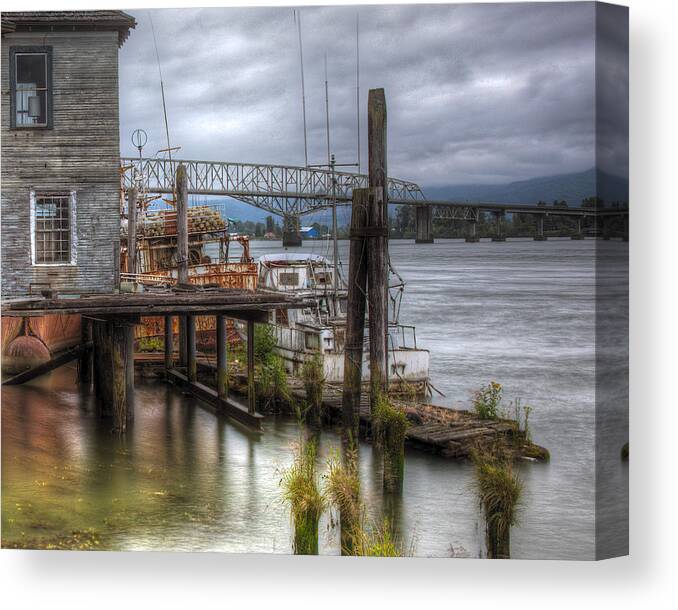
[{"x": 520, "y": 312}]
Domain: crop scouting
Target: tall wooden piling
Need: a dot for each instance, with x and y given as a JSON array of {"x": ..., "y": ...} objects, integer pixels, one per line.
[
  {"x": 251, "y": 395},
  {"x": 132, "y": 230},
  {"x": 377, "y": 270},
  {"x": 111, "y": 371},
  {"x": 192, "y": 363},
  {"x": 181, "y": 181},
  {"x": 222, "y": 359},
  {"x": 355, "y": 318}
]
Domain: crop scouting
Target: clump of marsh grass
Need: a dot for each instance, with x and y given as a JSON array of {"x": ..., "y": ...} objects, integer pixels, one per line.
[
  {"x": 313, "y": 376},
  {"x": 389, "y": 426},
  {"x": 301, "y": 491},
  {"x": 499, "y": 492},
  {"x": 378, "y": 541},
  {"x": 343, "y": 490}
]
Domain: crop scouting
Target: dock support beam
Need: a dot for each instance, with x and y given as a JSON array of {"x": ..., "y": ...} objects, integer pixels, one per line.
[
  {"x": 222, "y": 360},
  {"x": 424, "y": 224},
  {"x": 251, "y": 395},
  {"x": 499, "y": 227},
  {"x": 472, "y": 236},
  {"x": 169, "y": 342},
  {"x": 355, "y": 321},
  {"x": 85, "y": 363},
  {"x": 192, "y": 364},
  {"x": 377, "y": 265},
  {"x": 540, "y": 228},
  {"x": 291, "y": 237},
  {"x": 182, "y": 252}
]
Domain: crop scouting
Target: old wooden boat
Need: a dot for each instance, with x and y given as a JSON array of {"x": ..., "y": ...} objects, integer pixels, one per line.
[{"x": 320, "y": 330}]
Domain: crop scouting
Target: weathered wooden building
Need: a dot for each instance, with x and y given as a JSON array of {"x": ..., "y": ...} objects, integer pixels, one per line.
[{"x": 61, "y": 150}]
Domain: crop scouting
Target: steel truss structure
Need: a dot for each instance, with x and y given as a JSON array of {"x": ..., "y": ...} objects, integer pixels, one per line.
[{"x": 291, "y": 191}]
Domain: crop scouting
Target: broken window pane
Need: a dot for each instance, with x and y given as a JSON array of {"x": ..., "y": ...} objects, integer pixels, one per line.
[{"x": 31, "y": 89}]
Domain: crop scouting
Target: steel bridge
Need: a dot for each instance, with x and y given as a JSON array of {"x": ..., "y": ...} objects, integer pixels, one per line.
[{"x": 293, "y": 191}]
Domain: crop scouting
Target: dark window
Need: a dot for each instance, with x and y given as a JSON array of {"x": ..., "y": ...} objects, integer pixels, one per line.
[
  {"x": 31, "y": 86},
  {"x": 52, "y": 228}
]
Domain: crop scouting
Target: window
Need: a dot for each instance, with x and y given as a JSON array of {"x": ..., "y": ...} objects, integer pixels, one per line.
[
  {"x": 289, "y": 279},
  {"x": 30, "y": 86},
  {"x": 52, "y": 228}
]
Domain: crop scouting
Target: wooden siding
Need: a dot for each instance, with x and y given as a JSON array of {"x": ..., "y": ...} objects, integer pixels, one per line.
[{"x": 80, "y": 153}]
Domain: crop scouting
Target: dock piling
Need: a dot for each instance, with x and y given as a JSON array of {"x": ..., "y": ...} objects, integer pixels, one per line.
[
  {"x": 251, "y": 395},
  {"x": 85, "y": 361},
  {"x": 192, "y": 364},
  {"x": 355, "y": 319},
  {"x": 377, "y": 267},
  {"x": 222, "y": 360}
]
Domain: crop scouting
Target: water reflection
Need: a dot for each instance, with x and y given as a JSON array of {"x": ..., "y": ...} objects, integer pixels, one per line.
[{"x": 182, "y": 479}]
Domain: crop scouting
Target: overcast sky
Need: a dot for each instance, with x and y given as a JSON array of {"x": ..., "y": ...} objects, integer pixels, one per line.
[{"x": 475, "y": 93}]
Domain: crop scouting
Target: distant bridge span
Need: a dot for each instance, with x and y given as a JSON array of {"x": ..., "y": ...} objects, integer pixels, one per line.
[{"x": 292, "y": 191}]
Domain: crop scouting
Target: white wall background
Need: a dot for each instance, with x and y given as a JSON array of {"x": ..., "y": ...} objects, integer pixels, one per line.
[{"x": 646, "y": 579}]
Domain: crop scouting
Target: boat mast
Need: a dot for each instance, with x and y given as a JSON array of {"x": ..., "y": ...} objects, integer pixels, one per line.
[
  {"x": 303, "y": 88},
  {"x": 331, "y": 163},
  {"x": 357, "y": 80}
]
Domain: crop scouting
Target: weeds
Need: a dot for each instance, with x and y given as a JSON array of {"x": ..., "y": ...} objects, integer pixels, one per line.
[
  {"x": 389, "y": 427},
  {"x": 273, "y": 390},
  {"x": 499, "y": 492},
  {"x": 487, "y": 399},
  {"x": 301, "y": 490},
  {"x": 313, "y": 376}
]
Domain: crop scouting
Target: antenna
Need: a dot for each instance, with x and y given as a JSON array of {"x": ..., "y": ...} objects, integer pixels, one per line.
[
  {"x": 162, "y": 92},
  {"x": 303, "y": 88},
  {"x": 357, "y": 79}
]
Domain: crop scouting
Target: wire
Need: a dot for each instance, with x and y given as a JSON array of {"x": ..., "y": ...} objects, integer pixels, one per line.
[{"x": 162, "y": 92}]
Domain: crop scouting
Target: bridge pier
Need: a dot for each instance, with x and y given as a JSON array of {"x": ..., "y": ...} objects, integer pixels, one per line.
[
  {"x": 291, "y": 237},
  {"x": 424, "y": 224},
  {"x": 499, "y": 226},
  {"x": 540, "y": 228},
  {"x": 472, "y": 236},
  {"x": 580, "y": 231}
]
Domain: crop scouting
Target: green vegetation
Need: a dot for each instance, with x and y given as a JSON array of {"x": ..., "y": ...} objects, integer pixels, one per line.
[
  {"x": 499, "y": 492},
  {"x": 273, "y": 391},
  {"x": 301, "y": 490},
  {"x": 389, "y": 426},
  {"x": 486, "y": 400},
  {"x": 150, "y": 344},
  {"x": 313, "y": 376}
]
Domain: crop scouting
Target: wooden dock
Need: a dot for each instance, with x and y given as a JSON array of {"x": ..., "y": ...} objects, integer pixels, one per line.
[{"x": 451, "y": 433}]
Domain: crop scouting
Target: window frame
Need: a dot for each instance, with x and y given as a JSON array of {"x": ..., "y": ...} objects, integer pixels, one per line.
[
  {"x": 72, "y": 210},
  {"x": 43, "y": 50}
]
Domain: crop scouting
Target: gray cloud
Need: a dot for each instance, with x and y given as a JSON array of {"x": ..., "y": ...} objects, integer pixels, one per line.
[{"x": 476, "y": 93}]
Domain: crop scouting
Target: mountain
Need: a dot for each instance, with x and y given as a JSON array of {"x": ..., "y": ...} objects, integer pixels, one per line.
[{"x": 564, "y": 187}]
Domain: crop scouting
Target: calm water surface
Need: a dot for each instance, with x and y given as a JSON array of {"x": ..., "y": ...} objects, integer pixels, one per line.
[{"x": 520, "y": 312}]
